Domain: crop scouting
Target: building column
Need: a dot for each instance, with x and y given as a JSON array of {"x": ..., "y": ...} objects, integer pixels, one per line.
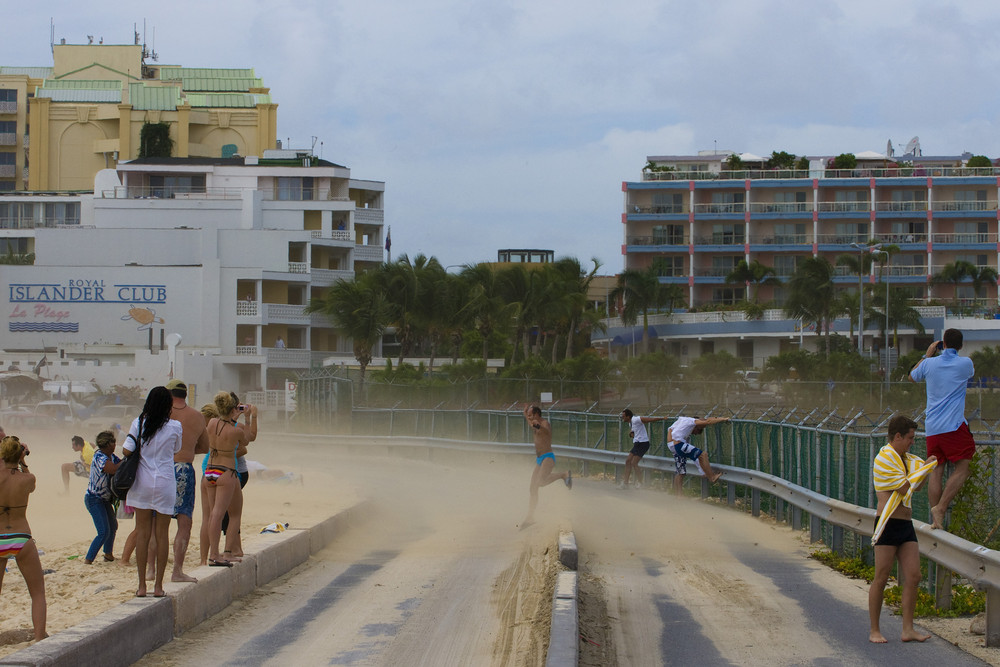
[
  {"x": 38, "y": 146},
  {"x": 183, "y": 148},
  {"x": 124, "y": 132}
]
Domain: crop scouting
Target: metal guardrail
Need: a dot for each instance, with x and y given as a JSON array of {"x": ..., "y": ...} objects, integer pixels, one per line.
[{"x": 978, "y": 564}]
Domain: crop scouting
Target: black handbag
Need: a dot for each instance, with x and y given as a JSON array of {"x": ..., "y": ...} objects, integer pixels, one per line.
[{"x": 124, "y": 476}]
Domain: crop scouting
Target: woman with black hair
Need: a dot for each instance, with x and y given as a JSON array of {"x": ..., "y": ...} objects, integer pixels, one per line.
[{"x": 155, "y": 488}]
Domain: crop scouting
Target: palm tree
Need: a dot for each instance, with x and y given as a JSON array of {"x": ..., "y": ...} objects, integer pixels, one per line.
[
  {"x": 359, "y": 310},
  {"x": 900, "y": 312},
  {"x": 641, "y": 291},
  {"x": 955, "y": 274},
  {"x": 486, "y": 307},
  {"x": 811, "y": 296},
  {"x": 576, "y": 283},
  {"x": 404, "y": 282},
  {"x": 752, "y": 275}
]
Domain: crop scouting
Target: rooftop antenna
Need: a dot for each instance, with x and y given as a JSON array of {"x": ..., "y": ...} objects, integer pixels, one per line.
[
  {"x": 313, "y": 149},
  {"x": 90, "y": 39},
  {"x": 914, "y": 146},
  {"x": 52, "y": 35}
]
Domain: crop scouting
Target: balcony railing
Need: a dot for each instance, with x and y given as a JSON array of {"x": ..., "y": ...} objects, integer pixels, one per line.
[
  {"x": 286, "y": 358},
  {"x": 842, "y": 239},
  {"x": 731, "y": 207},
  {"x": 298, "y": 267},
  {"x": 8, "y": 138},
  {"x": 990, "y": 205},
  {"x": 326, "y": 277},
  {"x": 780, "y": 207},
  {"x": 8, "y": 106},
  {"x": 8, "y": 170},
  {"x": 893, "y": 171},
  {"x": 780, "y": 239},
  {"x": 335, "y": 234},
  {"x": 720, "y": 239},
  {"x": 964, "y": 238},
  {"x": 659, "y": 210},
  {"x": 713, "y": 272},
  {"x": 247, "y": 350},
  {"x": 368, "y": 253},
  {"x": 269, "y": 399},
  {"x": 901, "y": 206},
  {"x": 286, "y": 312},
  {"x": 655, "y": 240},
  {"x": 369, "y": 216},
  {"x": 938, "y": 268},
  {"x": 246, "y": 309},
  {"x": 844, "y": 207},
  {"x": 36, "y": 223},
  {"x": 179, "y": 192}
]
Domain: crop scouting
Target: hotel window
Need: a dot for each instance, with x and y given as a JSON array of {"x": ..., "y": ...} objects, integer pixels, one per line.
[
  {"x": 13, "y": 246},
  {"x": 908, "y": 200},
  {"x": 970, "y": 200},
  {"x": 727, "y": 202},
  {"x": 790, "y": 233},
  {"x": 62, "y": 213},
  {"x": 668, "y": 235},
  {"x": 727, "y": 295},
  {"x": 975, "y": 260},
  {"x": 850, "y": 232},
  {"x": 790, "y": 201},
  {"x": 723, "y": 265},
  {"x": 971, "y": 232},
  {"x": 8, "y": 95},
  {"x": 669, "y": 267},
  {"x": 294, "y": 189},
  {"x": 785, "y": 265},
  {"x": 165, "y": 185},
  {"x": 668, "y": 203},
  {"x": 727, "y": 234}
]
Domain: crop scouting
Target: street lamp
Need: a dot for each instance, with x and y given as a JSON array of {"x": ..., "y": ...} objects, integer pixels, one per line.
[
  {"x": 875, "y": 249},
  {"x": 862, "y": 249}
]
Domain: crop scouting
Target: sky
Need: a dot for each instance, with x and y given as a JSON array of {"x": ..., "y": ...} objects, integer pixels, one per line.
[{"x": 512, "y": 124}]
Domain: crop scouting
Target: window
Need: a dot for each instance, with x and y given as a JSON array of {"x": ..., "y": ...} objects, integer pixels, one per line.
[
  {"x": 668, "y": 203},
  {"x": 790, "y": 233},
  {"x": 13, "y": 246},
  {"x": 8, "y": 158},
  {"x": 727, "y": 234},
  {"x": 8, "y": 95},
  {"x": 668, "y": 235},
  {"x": 850, "y": 232},
  {"x": 975, "y": 260},
  {"x": 165, "y": 185},
  {"x": 971, "y": 232},
  {"x": 785, "y": 265},
  {"x": 851, "y": 196},
  {"x": 723, "y": 265},
  {"x": 970, "y": 200},
  {"x": 669, "y": 266},
  {"x": 790, "y": 201},
  {"x": 8, "y": 126},
  {"x": 294, "y": 189},
  {"x": 727, "y": 295},
  {"x": 62, "y": 213}
]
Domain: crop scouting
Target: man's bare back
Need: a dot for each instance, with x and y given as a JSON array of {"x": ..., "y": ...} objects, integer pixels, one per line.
[{"x": 194, "y": 439}]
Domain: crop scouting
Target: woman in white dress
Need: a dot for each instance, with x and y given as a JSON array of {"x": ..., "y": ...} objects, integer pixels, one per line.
[{"x": 154, "y": 489}]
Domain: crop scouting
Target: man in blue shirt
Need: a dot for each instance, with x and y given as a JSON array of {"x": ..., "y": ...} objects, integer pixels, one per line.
[{"x": 948, "y": 436}]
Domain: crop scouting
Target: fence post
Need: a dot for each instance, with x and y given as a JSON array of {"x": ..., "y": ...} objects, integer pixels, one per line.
[
  {"x": 755, "y": 502},
  {"x": 796, "y": 518},
  {"x": 838, "y": 540},
  {"x": 992, "y": 617},
  {"x": 731, "y": 494},
  {"x": 815, "y": 532},
  {"x": 840, "y": 465},
  {"x": 942, "y": 588}
]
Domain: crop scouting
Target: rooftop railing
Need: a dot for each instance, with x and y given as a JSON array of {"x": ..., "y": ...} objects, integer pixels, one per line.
[
  {"x": 164, "y": 192},
  {"x": 893, "y": 171}
]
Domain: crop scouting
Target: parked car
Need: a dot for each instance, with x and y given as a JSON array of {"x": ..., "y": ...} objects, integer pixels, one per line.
[
  {"x": 751, "y": 378},
  {"x": 64, "y": 411}
]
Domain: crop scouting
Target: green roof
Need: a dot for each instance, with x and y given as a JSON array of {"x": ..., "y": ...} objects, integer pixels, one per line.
[
  {"x": 226, "y": 100},
  {"x": 174, "y": 73},
  {"x": 219, "y": 84},
  {"x": 81, "y": 84},
  {"x": 33, "y": 72},
  {"x": 157, "y": 98}
]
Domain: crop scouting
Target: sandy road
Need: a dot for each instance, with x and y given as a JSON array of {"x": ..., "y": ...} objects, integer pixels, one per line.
[{"x": 440, "y": 575}]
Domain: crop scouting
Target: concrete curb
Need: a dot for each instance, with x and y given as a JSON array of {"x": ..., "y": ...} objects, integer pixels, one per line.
[
  {"x": 564, "y": 635},
  {"x": 125, "y": 633},
  {"x": 568, "y": 554}
]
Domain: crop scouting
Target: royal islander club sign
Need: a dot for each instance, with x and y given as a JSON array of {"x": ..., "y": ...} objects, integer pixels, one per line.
[{"x": 56, "y": 306}]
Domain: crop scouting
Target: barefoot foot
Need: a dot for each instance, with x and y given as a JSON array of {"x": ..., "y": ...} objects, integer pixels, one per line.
[
  {"x": 875, "y": 637},
  {"x": 937, "y": 517},
  {"x": 914, "y": 636},
  {"x": 181, "y": 577}
]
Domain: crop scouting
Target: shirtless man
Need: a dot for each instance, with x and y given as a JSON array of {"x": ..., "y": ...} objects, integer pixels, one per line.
[
  {"x": 898, "y": 540},
  {"x": 194, "y": 440},
  {"x": 545, "y": 460}
]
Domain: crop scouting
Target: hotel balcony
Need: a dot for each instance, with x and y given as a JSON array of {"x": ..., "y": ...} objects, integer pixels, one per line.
[
  {"x": 327, "y": 277},
  {"x": 963, "y": 239},
  {"x": 369, "y": 253},
  {"x": 146, "y": 192},
  {"x": 780, "y": 207},
  {"x": 737, "y": 208},
  {"x": 985, "y": 205},
  {"x": 844, "y": 207},
  {"x": 369, "y": 216},
  {"x": 888, "y": 171},
  {"x": 900, "y": 206},
  {"x": 8, "y": 138},
  {"x": 8, "y": 106}
]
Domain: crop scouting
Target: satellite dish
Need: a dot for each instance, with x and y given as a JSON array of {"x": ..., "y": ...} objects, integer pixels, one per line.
[
  {"x": 173, "y": 339},
  {"x": 913, "y": 147},
  {"x": 888, "y": 148}
]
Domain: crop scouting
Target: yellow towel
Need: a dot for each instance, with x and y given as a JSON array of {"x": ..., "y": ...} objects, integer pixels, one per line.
[{"x": 889, "y": 473}]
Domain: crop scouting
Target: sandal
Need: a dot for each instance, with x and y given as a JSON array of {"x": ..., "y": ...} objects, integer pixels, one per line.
[
  {"x": 109, "y": 558},
  {"x": 219, "y": 563}
]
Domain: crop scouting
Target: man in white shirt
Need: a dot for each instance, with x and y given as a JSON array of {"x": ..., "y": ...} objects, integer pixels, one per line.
[{"x": 679, "y": 441}]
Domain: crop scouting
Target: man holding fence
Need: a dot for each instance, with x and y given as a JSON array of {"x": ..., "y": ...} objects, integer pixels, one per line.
[{"x": 948, "y": 437}]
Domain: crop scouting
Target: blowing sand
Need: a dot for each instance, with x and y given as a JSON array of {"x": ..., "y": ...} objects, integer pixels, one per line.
[{"x": 63, "y": 529}]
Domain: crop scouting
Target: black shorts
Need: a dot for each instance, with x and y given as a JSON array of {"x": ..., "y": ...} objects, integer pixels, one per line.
[
  {"x": 639, "y": 449},
  {"x": 896, "y": 532}
]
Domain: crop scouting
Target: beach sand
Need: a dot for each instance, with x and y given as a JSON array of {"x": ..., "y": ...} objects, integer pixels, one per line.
[{"x": 63, "y": 529}]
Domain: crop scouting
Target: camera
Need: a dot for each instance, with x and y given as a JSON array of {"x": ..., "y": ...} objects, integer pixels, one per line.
[
  {"x": 241, "y": 407},
  {"x": 940, "y": 345}
]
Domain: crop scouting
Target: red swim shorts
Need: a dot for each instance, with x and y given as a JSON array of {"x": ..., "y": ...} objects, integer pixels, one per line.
[{"x": 954, "y": 446}]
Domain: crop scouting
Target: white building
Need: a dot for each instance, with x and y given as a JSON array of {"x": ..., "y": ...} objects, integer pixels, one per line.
[{"x": 225, "y": 253}]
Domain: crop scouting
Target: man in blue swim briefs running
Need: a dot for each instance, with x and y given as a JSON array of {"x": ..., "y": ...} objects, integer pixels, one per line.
[{"x": 545, "y": 460}]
